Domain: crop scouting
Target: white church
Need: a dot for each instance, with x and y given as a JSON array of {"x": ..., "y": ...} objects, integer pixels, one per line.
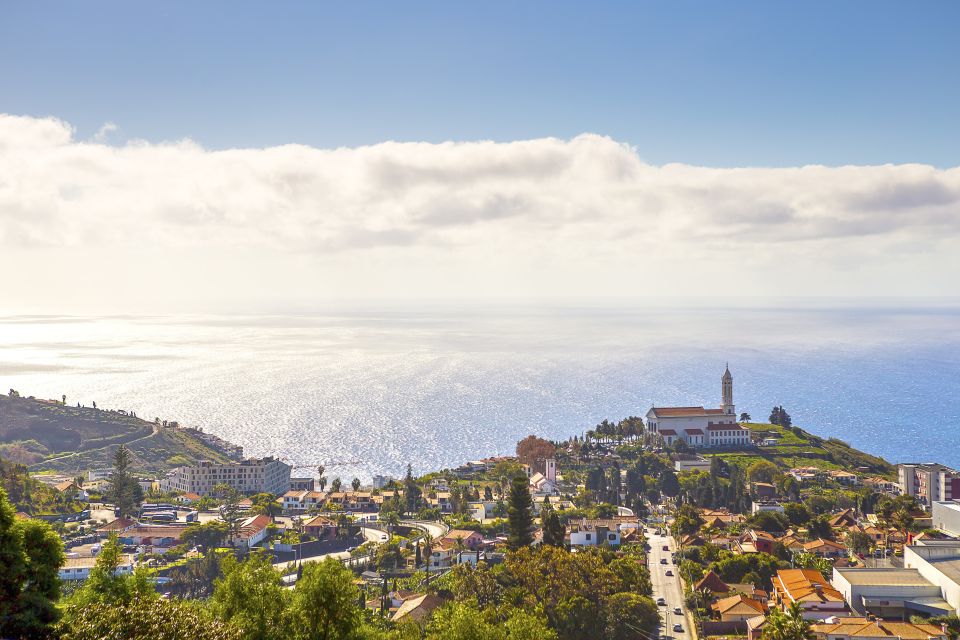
[{"x": 701, "y": 427}]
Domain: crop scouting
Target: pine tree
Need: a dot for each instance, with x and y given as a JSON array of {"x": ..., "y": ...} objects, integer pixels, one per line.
[
  {"x": 520, "y": 514},
  {"x": 775, "y": 415},
  {"x": 411, "y": 491},
  {"x": 125, "y": 492},
  {"x": 553, "y": 530}
]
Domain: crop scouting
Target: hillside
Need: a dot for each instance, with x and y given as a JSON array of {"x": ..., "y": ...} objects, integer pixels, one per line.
[
  {"x": 47, "y": 435},
  {"x": 798, "y": 448}
]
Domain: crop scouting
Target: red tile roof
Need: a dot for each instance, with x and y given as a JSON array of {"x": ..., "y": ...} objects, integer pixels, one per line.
[
  {"x": 667, "y": 432},
  {"x": 683, "y": 412},
  {"x": 694, "y": 432}
]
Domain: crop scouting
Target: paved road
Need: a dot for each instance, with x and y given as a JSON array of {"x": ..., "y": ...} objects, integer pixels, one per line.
[{"x": 667, "y": 587}]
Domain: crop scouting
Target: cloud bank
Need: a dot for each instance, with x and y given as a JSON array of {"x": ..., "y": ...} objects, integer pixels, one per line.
[{"x": 590, "y": 197}]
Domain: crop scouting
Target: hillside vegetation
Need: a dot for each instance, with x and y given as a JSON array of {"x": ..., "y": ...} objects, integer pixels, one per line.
[
  {"x": 798, "y": 448},
  {"x": 48, "y": 435}
]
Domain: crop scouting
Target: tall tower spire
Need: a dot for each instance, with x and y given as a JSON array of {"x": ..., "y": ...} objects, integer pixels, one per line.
[{"x": 726, "y": 385}]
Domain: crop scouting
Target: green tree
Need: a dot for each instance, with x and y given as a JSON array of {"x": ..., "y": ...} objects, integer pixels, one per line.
[
  {"x": 630, "y": 617},
  {"x": 762, "y": 471},
  {"x": 788, "y": 625},
  {"x": 41, "y": 589},
  {"x": 250, "y": 596},
  {"x": 125, "y": 492},
  {"x": 230, "y": 511},
  {"x": 208, "y": 535},
  {"x": 554, "y": 532},
  {"x": 355, "y": 483},
  {"x": 687, "y": 521},
  {"x": 797, "y": 513},
  {"x": 669, "y": 484},
  {"x": 146, "y": 619},
  {"x": 819, "y": 527},
  {"x": 266, "y": 504},
  {"x": 324, "y": 603},
  {"x": 524, "y": 625},
  {"x": 412, "y": 494},
  {"x": 12, "y": 566},
  {"x": 458, "y": 621},
  {"x": 108, "y": 584},
  {"x": 520, "y": 514}
]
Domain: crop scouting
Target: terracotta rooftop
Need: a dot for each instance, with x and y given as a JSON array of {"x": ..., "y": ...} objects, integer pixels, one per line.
[{"x": 684, "y": 412}]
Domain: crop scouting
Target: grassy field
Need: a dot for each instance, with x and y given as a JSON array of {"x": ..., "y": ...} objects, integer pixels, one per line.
[{"x": 797, "y": 448}]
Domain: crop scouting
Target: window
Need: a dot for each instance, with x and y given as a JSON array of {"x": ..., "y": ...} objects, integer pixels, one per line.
[{"x": 588, "y": 536}]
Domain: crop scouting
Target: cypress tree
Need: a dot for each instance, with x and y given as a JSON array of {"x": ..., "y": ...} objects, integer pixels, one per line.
[{"x": 520, "y": 514}]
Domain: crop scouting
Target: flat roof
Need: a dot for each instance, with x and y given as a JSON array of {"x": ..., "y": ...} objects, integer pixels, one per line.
[{"x": 883, "y": 576}]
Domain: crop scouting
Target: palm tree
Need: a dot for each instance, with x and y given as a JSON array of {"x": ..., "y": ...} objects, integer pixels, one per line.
[
  {"x": 355, "y": 484},
  {"x": 322, "y": 481},
  {"x": 788, "y": 626},
  {"x": 427, "y": 544}
]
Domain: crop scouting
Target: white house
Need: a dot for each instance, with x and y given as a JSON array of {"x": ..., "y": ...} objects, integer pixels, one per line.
[
  {"x": 79, "y": 568},
  {"x": 588, "y": 533},
  {"x": 700, "y": 427}
]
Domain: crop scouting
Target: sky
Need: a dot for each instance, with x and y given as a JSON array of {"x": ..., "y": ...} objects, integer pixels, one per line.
[{"x": 264, "y": 156}]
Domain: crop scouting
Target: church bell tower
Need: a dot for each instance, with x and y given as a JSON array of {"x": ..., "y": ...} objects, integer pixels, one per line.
[{"x": 726, "y": 383}]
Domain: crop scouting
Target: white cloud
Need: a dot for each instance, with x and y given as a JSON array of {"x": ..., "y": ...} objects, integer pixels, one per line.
[{"x": 537, "y": 204}]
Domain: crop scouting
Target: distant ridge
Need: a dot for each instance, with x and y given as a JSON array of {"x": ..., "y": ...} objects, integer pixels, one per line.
[{"x": 48, "y": 435}]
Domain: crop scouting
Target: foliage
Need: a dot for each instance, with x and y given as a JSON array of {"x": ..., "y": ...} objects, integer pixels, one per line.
[
  {"x": 788, "y": 625},
  {"x": 819, "y": 527},
  {"x": 520, "y": 514},
  {"x": 796, "y": 512},
  {"x": 324, "y": 603},
  {"x": 687, "y": 521},
  {"x": 533, "y": 451},
  {"x": 554, "y": 531},
  {"x": 250, "y": 596},
  {"x": 146, "y": 619},
  {"x": 769, "y": 521},
  {"x": 762, "y": 471},
  {"x": 106, "y": 584},
  {"x": 630, "y": 617},
  {"x": 125, "y": 492},
  {"x": 733, "y": 568},
  {"x": 208, "y": 535}
]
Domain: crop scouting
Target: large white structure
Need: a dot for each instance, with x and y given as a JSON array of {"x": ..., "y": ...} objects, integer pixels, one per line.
[
  {"x": 700, "y": 427},
  {"x": 939, "y": 562},
  {"x": 928, "y": 482},
  {"x": 946, "y": 517},
  {"x": 255, "y": 475}
]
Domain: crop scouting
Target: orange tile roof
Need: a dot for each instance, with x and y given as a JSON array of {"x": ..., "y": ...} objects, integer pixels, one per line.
[
  {"x": 682, "y": 412},
  {"x": 806, "y": 585}
]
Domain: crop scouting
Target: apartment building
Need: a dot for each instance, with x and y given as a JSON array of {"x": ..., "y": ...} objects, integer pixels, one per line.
[
  {"x": 928, "y": 482},
  {"x": 254, "y": 475}
]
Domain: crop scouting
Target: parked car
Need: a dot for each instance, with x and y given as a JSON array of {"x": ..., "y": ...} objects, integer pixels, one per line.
[
  {"x": 678, "y": 627},
  {"x": 663, "y": 561},
  {"x": 666, "y": 547},
  {"x": 678, "y": 611},
  {"x": 661, "y": 602},
  {"x": 669, "y": 573}
]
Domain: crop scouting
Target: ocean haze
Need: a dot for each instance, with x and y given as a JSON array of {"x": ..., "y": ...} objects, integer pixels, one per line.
[{"x": 436, "y": 385}]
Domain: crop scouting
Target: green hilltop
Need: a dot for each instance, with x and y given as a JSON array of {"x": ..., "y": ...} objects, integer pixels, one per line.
[
  {"x": 48, "y": 435},
  {"x": 798, "y": 448}
]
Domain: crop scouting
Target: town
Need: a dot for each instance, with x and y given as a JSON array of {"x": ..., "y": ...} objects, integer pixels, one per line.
[{"x": 688, "y": 523}]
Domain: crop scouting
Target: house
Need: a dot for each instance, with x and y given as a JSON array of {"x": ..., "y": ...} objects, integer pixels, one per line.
[
  {"x": 441, "y": 501},
  {"x": 321, "y": 527},
  {"x": 252, "y": 531},
  {"x": 117, "y": 526},
  {"x": 817, "y": 597},
  {"x": 687, "y": 462},
  {"x": 845, "y": 478},
  {"x": 845, "y": 518},
  {"x": 163, "y": 536},
  {"x": 754, "y": 541},
  {"x": 825, "y": 548},
  {"x": 593, "y": 532},
  {"x": 766, "y": 505},
  {"x": 79, "y": 568},
  {"x": 302, "y": 484},
  {"x": 791, "y": 543},
  {"x": 418, "y": 610},
  {"x": 738, "y": 608},
  {"x": 712, "y": 583},
  {"x": 882, "y": 485},
  {"x": 468, "y": 539},
  {"x": 70, "y": 488},
  {"x": 187, "y": 498},
  {"x": 849, "y": 628},
  {"x": 755, "y": 627},
  {"x": 763, "y": 490}
]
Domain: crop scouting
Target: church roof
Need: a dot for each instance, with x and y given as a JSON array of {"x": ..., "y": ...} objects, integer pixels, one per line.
[
  {"x": 667, "y": 432},
  {"x": 694, "y": 432},
  {"x": 684, "y": 412}
]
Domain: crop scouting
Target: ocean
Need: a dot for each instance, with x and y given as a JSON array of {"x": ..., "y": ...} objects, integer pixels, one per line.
[{"x": 369, "y": 390}]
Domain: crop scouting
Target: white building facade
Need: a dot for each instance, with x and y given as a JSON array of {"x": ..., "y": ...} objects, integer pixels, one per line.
[
  {"x": 255, "y": 475},
  {"x": 700, "y": 427}
]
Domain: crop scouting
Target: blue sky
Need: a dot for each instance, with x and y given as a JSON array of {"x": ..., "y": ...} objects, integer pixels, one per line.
[{"x": 715, "y": 84}]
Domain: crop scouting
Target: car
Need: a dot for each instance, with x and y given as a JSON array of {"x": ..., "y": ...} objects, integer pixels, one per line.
[
  {"x": 669, "y": 573},
  {"x": 666, "y": 547},
  {"x": 678, "y": 611},
  {"x": 661, "y": 602},
  {"x": 678, "y": 627},
  {"x": 663, "y": 561}
]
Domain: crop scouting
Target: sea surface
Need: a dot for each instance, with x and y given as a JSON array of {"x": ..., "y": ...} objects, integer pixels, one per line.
[{"x": 369, "y": 390}]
